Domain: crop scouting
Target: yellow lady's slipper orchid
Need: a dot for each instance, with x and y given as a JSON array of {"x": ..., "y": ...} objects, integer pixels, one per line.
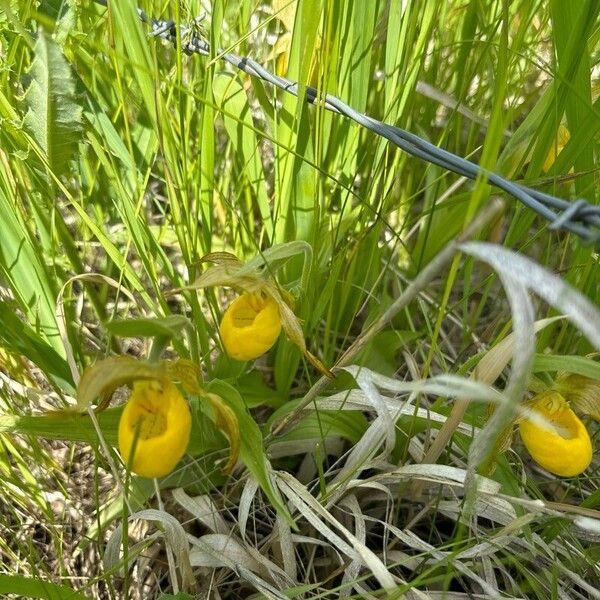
[
  {"x": 250, "y": 326},
  {"x": 564, "y": 446},
  {"x": 252, "y": 323},
  {"x": 156, "y": 422}
]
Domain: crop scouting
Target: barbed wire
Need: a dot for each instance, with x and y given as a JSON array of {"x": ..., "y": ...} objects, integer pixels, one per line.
[{"x": 579, "y": 217}]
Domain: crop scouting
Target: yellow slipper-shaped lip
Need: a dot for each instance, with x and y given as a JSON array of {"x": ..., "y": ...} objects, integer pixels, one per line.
[
  {"x": 250, "y": 326},
  {"x": 157, "y": 422},
  {"x": 563, "y": 447}
]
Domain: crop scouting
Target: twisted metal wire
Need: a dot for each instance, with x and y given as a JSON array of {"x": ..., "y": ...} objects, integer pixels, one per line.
[{"x": 579, "y": 217}]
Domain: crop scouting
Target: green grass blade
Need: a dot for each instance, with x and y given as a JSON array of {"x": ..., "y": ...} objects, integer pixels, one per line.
[
  {"x": 573, "y": 23},
  {"x": 232, "y": 100}
]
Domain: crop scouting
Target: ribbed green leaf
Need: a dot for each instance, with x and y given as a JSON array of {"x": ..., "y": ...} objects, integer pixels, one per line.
[
  {"x": 252, "y": 450},
  {"x": 53, "y": 115},
  {"x": 580, "y": 365},
  {"x": 20, "y": 338},
  {"x": 168, "y": 327},
  {"x": 28, "y": 587},
  {"x": 72, "y": 427},
  {"x": 30, "y": 281}
]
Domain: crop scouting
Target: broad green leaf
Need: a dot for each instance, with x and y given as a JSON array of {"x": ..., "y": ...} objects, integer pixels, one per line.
[
  {"x": 168, "y": 327},
  {"x": 68, "y": 426},
  {"x": 580, "y": 365},
  {"x": 23, "y": 268},
  {"x": 20, "y": 338},
  {"x": 252, "y": 449},
  {"x": 31, "y": 587},
  {"x": 256, "y": 392},
  {"x": 53, "y": 112}
]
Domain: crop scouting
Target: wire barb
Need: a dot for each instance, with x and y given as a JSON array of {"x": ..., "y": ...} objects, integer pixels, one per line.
[{"x": 579, "y": 217}]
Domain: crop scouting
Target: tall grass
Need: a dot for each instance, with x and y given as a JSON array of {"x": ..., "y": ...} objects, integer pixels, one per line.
[{"x": 124, "y": 161}]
